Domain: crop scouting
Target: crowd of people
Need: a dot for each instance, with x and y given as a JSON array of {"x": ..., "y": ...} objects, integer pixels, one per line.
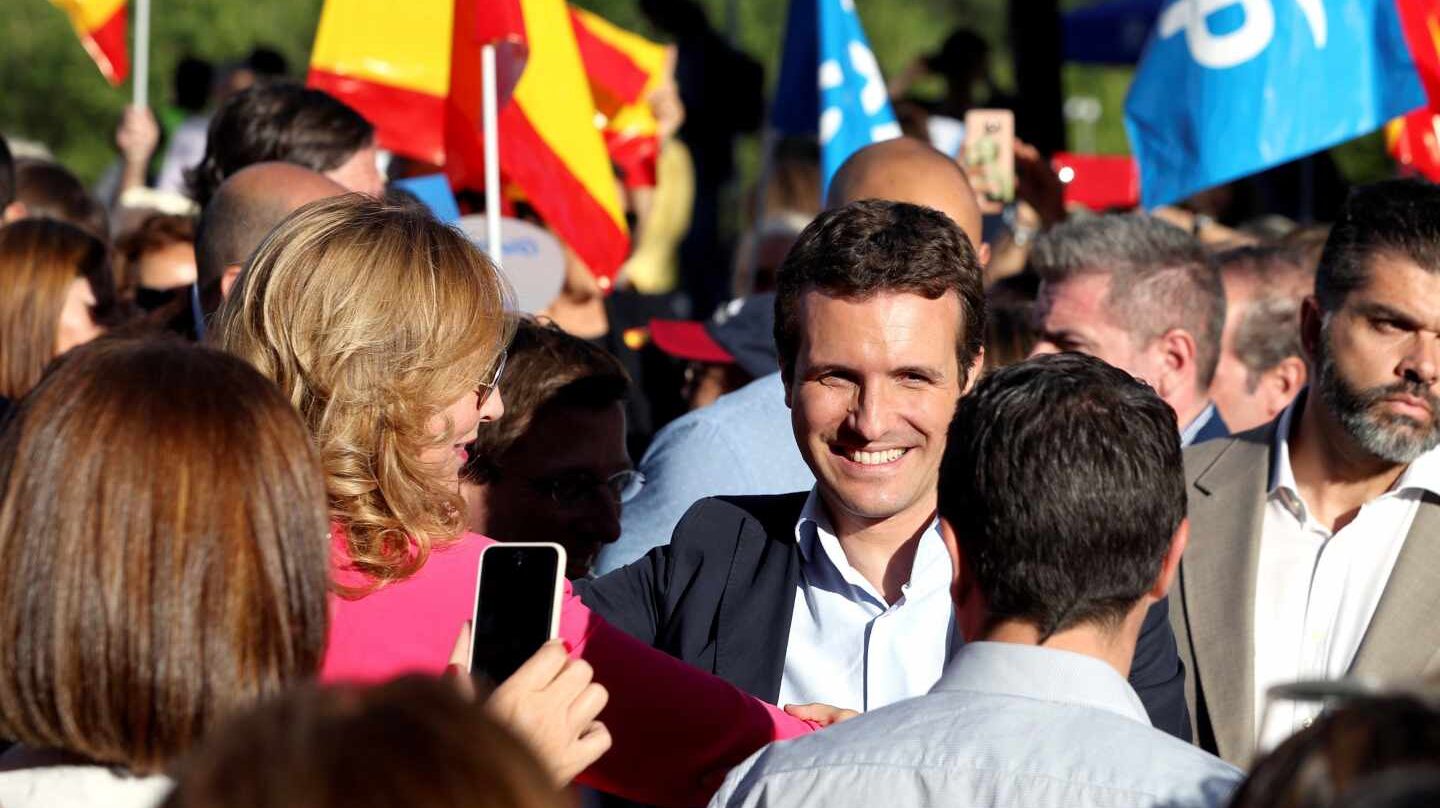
[{"x": 1135, "y": 510}]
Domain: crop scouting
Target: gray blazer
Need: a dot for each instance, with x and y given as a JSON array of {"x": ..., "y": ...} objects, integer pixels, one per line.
[{"x": 1213, "y": 602}]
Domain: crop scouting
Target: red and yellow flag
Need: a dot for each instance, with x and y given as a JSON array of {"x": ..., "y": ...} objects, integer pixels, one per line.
[
  {"x": 100, "y": 25},
  {"x": 414, "y": 71},
  {"x": 624, "y": 70},
  {"x": 1414, "y": 139},
  {"x": 391, "y": 62}
]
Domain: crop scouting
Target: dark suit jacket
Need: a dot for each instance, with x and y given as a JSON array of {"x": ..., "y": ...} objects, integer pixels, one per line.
[{"x": 720, "y": 597}]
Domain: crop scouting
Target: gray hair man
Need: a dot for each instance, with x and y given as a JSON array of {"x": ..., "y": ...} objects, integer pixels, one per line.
[
  {"x": 1140, "y": 294},
  {"x": 1261, "y": 367}
]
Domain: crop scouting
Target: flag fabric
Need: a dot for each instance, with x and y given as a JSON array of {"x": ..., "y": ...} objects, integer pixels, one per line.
[
  {"x": 391, "y": 62},
  {"x": 550, "y": 147},
  {"x": 624, "y": 69},
  {"x": 414, "y": 71},
  {"x": 101, "y": 27},
  {"x": 1225, "y": 90},
  {"x": 830, "y": 83},
  {"x": 1414, "y": 142}
]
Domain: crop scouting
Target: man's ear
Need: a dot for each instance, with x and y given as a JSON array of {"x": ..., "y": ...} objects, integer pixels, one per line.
[
  {"x": 1177, "y": 349},
  {"x": 1279, "y": 385},
  {"x": 1312, "y": 322},
  {"x": 227, "y": 279},
  {"x": 970, "y": 610},
  {"x": 976, "y": 369},
  {"x": 1171, "y": 564}
]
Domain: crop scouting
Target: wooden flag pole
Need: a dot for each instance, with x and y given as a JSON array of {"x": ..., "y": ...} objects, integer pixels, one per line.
[
  {"x": 490, "y": 121},
  {"x": 140, "y": 78}
]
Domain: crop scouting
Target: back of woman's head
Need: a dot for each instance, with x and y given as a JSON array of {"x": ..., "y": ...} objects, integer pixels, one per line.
[
  {"x": 1363, "y": 739},
  {"x": 39, "y": 260},
  {"x": 320, "y": 748},
  {"x": 162, "y": 551},
  {"x": 371, "y": 319}
]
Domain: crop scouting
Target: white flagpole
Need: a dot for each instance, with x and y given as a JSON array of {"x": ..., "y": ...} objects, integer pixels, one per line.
[
  {"x": 490, "y": 117},
  {"x": 140, "y": 78}
]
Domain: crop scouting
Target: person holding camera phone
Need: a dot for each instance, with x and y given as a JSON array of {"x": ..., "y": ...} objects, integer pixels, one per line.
[{"x": 377, "y": 323}]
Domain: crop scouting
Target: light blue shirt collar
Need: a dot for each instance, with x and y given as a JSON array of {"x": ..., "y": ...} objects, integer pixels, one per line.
[
  {"x": 1192, "y": 430},
  {"x": 1044, "y": 674}
]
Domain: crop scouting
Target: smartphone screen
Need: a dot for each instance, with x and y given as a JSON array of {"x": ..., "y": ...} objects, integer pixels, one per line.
[
  {"x": 515, "y": 606},
  {"x": 989, "y": 156}
]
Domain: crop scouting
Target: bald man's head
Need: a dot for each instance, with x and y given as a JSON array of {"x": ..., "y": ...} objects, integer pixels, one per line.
[
  {"x": 908, "y": 170},
  {"x": 244, "y": 209}
]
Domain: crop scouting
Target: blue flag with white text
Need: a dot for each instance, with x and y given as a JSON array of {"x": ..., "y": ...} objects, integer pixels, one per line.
[
  {"x": 1227, "y": 88},
  {"x": 830, "y": 83}
]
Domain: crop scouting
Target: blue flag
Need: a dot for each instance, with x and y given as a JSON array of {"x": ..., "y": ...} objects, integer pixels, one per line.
[
  {"x": 830, "y": 84},
  {"x": 1228, "y": 88}
]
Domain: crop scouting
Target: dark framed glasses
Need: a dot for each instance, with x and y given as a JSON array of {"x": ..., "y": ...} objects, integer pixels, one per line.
[
  {"x": 490, "y": 385},
  {"x": 570, "y": 489}
]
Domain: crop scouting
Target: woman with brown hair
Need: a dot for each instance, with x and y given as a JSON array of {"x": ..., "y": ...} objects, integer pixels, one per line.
[
  {"x": 160, "y": 566},
  {"x": 386, "y": 329},
  {"x": 317, "y": 748},
  {"x": 155, "y": 262},
  {"x": 58, "y": 294}
]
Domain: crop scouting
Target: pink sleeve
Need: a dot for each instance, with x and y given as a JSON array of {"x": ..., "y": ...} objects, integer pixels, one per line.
[{"x": 677, "y": 730}]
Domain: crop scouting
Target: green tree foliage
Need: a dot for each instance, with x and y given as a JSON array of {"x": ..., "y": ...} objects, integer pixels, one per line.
[{"x": 51, "y": 92}]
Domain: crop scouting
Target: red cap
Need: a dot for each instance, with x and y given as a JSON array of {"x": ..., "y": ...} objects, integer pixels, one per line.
[{"x": 688, "y": 339}]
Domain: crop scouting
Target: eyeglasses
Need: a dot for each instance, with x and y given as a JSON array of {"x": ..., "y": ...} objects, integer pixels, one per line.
[
  {"x": 486, "y": 388},
  {"x": 570, "y": 489}
]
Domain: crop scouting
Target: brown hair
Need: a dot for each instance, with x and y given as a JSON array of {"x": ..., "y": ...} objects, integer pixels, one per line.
[
  {"x": 1363, "y": 738},
  {"x": 39, "y": 258},
  {"x": 318, "y": 748},
  {"x": 871, "y": 247},
  {"x": 48, "y": 190},
  {"x": 372, "y": 319},
  {"x": 162, "y": 551},
  {"x": 155, "y": 233},
  {"x": 547, "y": 367}
]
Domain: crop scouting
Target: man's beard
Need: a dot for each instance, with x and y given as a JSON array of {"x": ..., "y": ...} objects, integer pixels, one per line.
[{"x": 1394, "y": 438}]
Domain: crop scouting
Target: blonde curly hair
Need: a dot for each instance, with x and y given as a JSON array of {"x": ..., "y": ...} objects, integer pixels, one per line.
[{"x": 372, "y": 319}]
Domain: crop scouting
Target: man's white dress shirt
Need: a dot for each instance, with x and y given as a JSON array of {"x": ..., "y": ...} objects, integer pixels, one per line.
[
  {"x": 848, "y": 647},
  {"x": 1316, "y": 591}
]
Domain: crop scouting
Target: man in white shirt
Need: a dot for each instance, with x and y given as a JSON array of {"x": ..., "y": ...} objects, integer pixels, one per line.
[
  {"x": 838, "y": 595},
  {"x": 1317, "y": 537},
  {"x": 1062, "y": 506}
]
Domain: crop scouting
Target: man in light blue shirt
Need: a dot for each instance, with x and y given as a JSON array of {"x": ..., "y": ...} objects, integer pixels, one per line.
[
  {"x": 741, "y": 444},
  {"x": 1062, "y": 506}
]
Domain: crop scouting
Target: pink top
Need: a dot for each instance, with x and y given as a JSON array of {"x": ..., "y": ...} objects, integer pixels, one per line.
[{"x": 677, "y": 730}]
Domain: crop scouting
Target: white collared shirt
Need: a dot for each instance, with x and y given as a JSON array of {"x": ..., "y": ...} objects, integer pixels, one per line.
[
  {"x": 848, "y": 647},
  {"x": 1315, "y": 592}
]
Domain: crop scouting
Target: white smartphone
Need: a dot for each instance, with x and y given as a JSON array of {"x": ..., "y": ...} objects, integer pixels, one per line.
[{"x": 517, "y": 606}]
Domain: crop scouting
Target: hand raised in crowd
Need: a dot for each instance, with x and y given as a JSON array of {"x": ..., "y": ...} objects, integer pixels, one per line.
[
  {"x": 136, "y": 137},
  {"x": 1037, "y": 184},
  {"x": 551, "y": 703},
  {"x": 823, "y": 714}
]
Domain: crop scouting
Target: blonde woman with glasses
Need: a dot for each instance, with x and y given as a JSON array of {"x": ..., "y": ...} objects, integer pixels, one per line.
[{"x": 377, "y": 322}]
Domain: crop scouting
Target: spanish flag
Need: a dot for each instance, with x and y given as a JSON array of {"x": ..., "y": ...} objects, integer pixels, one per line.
[
  {"x": 1414, "y": 139},
  {"x": 101, "y": 27},
  {"x": 414, "y": 71},
  {"x": 624, "y": 70}
]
